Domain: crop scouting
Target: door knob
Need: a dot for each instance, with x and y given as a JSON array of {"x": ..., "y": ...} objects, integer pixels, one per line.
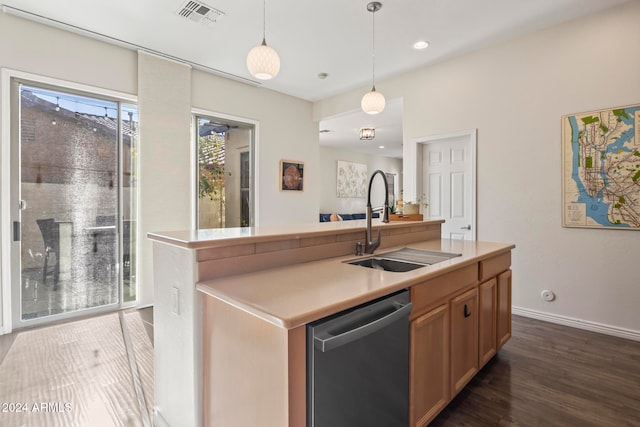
[{"x": 468, "y": 227}]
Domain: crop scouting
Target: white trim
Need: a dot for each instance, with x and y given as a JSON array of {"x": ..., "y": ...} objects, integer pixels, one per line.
[
  {"x": 411, "y": 191},
  {"x": 5, "y": 196},
  {"x": 578, "y": 323},
  {"x": 65, "y": 84},
  {"x": 255, "y": 155},
  {"x": 193, "y": 160}
]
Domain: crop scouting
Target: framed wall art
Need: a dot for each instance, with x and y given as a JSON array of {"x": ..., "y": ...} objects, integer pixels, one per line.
[
  {"x": 601, "y": 169},
  {"x": 351, "y": 179},
  {"x": 291, "y": 175}
]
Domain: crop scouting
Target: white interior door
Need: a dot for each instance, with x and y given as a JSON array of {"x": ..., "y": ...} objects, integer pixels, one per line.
[{"x": 448, "y": 183}]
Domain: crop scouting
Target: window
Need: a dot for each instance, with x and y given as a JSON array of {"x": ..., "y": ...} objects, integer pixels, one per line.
[
  {"x": 391, "y": 188},
  {"x": 225, "y": 177}
]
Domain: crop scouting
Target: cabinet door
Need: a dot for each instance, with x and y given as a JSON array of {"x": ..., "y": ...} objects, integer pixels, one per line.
[
  {"x": 487, "y": 319},
  {"x": 504, "y": 308},
  {"x": 429, "y": 366},
  {"x": 464, "y": 339}
]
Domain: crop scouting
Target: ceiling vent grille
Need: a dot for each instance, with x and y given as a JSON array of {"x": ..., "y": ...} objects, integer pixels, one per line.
[{"x": 200, "y": 12}]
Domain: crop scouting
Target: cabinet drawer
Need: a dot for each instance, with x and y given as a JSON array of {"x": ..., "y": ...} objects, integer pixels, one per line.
[
  {"x": 427, "y": 294},
  {"x": 493, "y": 266}
]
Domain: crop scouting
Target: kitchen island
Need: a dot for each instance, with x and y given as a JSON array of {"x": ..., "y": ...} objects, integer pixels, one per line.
[{"x": 232, "y": 307}]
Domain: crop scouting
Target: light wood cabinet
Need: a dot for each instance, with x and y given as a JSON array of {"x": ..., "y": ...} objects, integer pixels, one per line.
[
  {"x": 464, "y": 339},
  {"x": 487, "y": 320},
  {"x": 498, "y": 267},
  {"x": 459, "y": 321},
  {"x": 429, "y": 365},
  {"x": 504, "y": 308}
]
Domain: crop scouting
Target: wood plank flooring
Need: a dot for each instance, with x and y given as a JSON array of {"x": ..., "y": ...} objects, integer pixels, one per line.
[
  {"x": 552, "y": 375},
  {"x": 92, "y": 372},
  {"x": 546, "y": 375}
]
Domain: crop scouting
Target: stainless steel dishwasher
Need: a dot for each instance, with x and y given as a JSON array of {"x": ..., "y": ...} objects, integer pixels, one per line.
[{"x": 358, "y": 366}]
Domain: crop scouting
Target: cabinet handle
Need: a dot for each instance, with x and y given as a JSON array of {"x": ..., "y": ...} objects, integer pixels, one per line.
[{"x": 467, "y": 313}]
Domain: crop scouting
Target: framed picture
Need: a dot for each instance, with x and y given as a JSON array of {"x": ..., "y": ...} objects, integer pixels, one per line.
[
  {"x": 351, "y": 179},
  {"x": 601, "y": 168},
  {"x": 291, "y": 175}
]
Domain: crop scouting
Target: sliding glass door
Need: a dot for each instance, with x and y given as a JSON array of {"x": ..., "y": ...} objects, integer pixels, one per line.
[{"x": 74, "y": 193}]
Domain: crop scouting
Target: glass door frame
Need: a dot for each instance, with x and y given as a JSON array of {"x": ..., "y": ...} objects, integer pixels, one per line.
[
  {"x": 253, "y": 164},
  {"x": 10, "y": 257}
]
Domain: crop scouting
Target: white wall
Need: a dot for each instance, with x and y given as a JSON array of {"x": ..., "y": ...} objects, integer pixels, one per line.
[
  {"x": 165, "y": 187},
  {"x": 515, "y": 94},
  {"x": 329, "y": 202}
]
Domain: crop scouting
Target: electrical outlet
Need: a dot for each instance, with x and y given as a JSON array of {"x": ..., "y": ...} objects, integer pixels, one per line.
[{"x": 547, "y": 295}]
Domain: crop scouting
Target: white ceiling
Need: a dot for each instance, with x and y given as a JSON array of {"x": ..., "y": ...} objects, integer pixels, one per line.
[{"x": 329, "y": 36}]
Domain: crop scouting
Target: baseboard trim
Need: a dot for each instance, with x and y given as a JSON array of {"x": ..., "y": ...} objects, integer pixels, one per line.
[{"x": 577, "y": 323}]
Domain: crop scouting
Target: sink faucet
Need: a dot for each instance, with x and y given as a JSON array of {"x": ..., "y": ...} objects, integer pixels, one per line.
[{"x": 371, "y": 245}]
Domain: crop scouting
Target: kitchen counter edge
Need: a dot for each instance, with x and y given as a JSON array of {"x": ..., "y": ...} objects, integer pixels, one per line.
[{"x": 258, "y": 294}]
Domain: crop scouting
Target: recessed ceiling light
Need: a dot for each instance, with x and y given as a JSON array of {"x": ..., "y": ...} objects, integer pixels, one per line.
[
  {"x": 422, "y": 44},
  {"x": 323, "y": 76},
  {"x": 380, "y": 146}
]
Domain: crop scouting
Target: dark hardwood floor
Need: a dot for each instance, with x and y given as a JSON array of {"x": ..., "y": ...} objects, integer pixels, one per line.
[
  {"x": 552, "y": 375},
  {"x": 546, "y": 375}
]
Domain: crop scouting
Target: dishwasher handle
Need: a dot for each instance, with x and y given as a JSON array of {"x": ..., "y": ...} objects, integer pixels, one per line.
[{"x": 328, "y": 341}]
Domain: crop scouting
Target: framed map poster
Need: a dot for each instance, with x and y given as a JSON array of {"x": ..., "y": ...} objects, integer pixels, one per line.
[{"x": 601, "y": 169}]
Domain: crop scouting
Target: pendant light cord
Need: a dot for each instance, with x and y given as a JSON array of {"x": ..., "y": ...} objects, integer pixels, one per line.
[
  {"x": 373, "y": 49},
  {"x": 264, "y": 22}
]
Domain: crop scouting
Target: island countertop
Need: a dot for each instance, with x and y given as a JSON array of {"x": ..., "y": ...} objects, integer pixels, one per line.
[
  {"x": 295, "y": 295},
  {"x": 234, "y": 303},
  {"x": 221, "y": 237}
]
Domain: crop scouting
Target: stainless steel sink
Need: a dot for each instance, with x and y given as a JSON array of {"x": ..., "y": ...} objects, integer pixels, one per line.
[
  {"x": 419, "y": 256},
  {"x": 405, "y": 259},
  {"x": 386, "y": 264}
]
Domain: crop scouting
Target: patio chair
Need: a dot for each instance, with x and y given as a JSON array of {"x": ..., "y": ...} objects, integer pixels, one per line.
[{"x": 50, "y": 231}]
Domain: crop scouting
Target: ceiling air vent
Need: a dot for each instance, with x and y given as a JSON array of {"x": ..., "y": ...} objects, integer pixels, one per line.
[{"x": 199, "y": 12}]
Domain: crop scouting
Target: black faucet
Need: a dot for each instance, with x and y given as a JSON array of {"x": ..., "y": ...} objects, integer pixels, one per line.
[{"x": 371, "y": 245}]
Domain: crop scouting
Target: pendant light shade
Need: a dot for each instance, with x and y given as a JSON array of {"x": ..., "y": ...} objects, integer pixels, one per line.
[
  {"x": 373, "y": 102},
  {"x": 263, "y": 61}
]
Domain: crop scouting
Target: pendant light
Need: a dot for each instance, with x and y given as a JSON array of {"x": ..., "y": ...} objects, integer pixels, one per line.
[
  {"x": 367, "y": 134},
  {"x": 373, "y": 102},
  {"x": 263, "y": 61}
]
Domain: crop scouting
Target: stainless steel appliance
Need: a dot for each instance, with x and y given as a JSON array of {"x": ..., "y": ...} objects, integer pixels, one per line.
[{"x": 358, "y": 366}]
